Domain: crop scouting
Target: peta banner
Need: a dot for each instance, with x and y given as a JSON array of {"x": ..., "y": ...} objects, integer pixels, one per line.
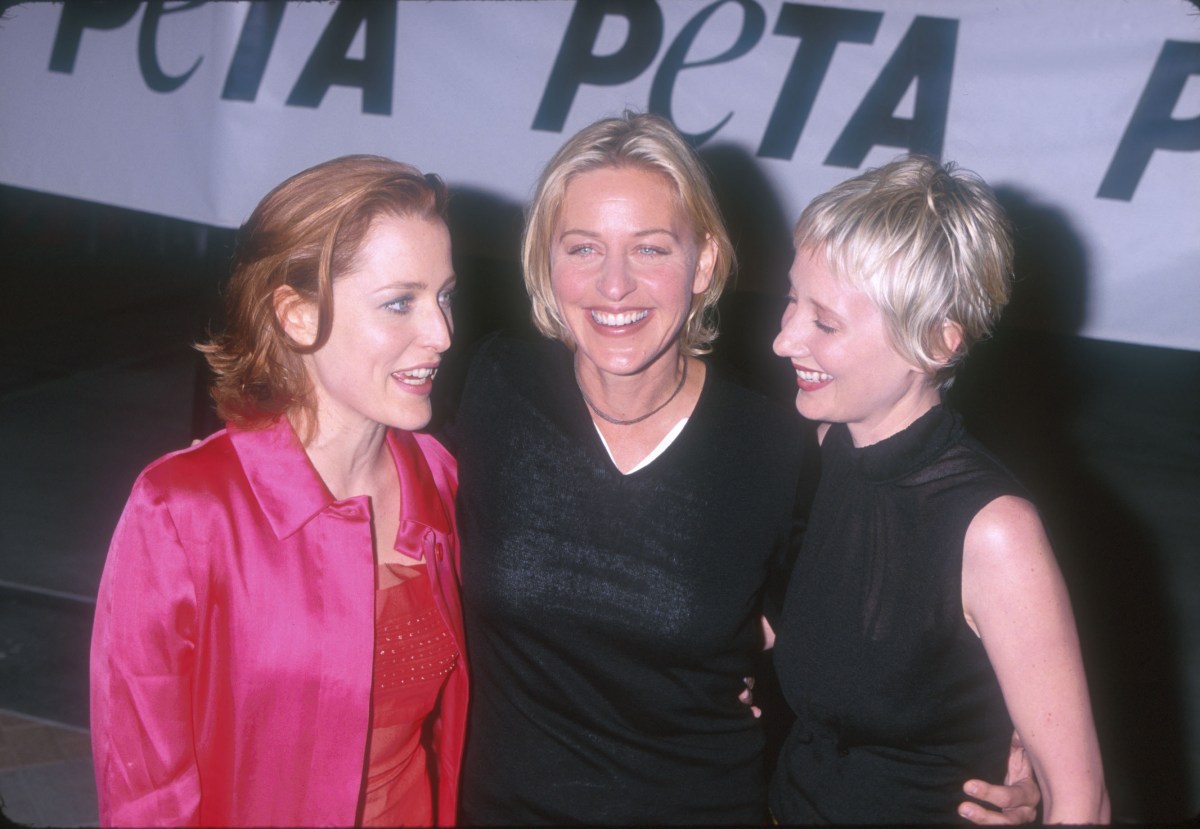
[{"x": 1083, "y": 114}]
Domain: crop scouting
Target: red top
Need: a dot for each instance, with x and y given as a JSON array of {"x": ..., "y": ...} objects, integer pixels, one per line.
[
  {"x": 414, "y": 655},
  {"x": 233, "y": 649}
]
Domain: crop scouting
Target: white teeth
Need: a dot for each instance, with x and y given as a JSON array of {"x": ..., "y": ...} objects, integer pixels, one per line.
[
  {"x": 415, "y": 377},
  {"x": 814, "y": 376},
  {"x": 627, "y": 318}
]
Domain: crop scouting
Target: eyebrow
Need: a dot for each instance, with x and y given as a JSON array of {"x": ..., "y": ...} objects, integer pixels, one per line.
[
  {"x": 403, "y": 286},
  {"x": 824, "y": 309},
  {"x": 653, "y": 231},
  {"x": 418, "y": 285}
]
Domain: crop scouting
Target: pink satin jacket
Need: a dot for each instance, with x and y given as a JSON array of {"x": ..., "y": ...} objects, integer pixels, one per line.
[{"x": 232, "y": 651}]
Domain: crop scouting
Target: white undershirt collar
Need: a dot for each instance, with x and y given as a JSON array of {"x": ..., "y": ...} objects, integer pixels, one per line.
[{"x": 667, "y": 440}]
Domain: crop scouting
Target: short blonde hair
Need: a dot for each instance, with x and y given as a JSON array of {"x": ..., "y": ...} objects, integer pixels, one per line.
[
  {"x": 642, "y": 141},
  {"x": 928, "y": 243},
  {"x": 303, "y": 234}
]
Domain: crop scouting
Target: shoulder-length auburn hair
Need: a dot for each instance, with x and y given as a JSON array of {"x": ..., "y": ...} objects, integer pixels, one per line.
[
  {"x": 304, "y": 234},
  {"x": 642, "y": 141}
]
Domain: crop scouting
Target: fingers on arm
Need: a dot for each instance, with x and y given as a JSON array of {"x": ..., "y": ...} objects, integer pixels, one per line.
[
  {"x": 1015, "y": 599},
  {"x": 768, "y": 634},
  {"x": 1016, "y": 801},
  {"x": 1004, "y": 816}
]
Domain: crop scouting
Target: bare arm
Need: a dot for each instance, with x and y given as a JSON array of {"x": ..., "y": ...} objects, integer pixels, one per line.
[{"x": 1015, "y": 599}]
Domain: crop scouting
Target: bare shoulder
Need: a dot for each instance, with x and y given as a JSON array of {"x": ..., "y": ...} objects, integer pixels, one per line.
[
  {"x": 1009, "y": 571},
  {"x": 1007, "y": 532}
]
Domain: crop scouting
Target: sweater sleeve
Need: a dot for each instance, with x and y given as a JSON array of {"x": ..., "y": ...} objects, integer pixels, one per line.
[
  {"x": 787, "y": 548},
  {"x": 142, "y": 658}
]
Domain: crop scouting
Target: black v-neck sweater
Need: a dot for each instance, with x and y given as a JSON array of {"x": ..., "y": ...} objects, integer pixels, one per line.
[{"x": 611, "y": 618}]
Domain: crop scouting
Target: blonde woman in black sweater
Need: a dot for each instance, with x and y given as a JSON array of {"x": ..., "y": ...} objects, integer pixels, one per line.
[{"x": 623, "y": 509}]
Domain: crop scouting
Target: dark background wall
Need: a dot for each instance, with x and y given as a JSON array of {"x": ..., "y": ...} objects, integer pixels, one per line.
[{"x": 97, "y": 378}]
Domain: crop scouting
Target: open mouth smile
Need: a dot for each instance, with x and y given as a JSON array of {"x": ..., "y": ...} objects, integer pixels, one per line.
[
  {"x": 809, "y": 380},
  {"x": 813, "y": 376},
  {"x": 416, "y": 376},
  {"x": 609, "y": 320}
]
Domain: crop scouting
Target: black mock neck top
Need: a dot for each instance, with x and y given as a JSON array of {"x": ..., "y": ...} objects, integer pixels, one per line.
[{"x": 896, "y": 702}]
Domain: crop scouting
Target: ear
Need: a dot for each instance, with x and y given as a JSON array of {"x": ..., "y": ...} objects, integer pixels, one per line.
[
  {"x": 297, "y": 315},
  {"x": 706, "y": 264},
  {"x": 952, "y": 339}
]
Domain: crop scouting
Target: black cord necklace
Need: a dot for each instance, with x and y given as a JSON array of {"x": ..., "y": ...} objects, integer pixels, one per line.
[{"x": 616, "y": 420}]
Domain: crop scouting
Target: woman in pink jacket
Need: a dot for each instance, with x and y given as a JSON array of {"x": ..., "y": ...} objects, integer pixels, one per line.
[{"x": 278, "y": 636}]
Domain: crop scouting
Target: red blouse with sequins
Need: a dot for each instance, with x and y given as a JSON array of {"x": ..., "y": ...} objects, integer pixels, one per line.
[{"x": 414, "y": 654}]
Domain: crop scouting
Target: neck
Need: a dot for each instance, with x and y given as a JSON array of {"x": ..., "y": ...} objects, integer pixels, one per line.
[
  {"x": 350, "y": 460},
  {"x": 898, "y": 418},
  {"x": 630, "y": 400}
]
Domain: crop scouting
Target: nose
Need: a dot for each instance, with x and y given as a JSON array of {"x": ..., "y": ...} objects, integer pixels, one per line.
[
  {"x": 789, "y": 342},
  {"x": 437, "y": 329},
  {"x": 615, "y": 280}
]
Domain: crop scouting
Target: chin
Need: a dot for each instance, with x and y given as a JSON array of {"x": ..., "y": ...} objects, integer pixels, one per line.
[
  {"x": 411, "y": 421},
  {"x": 810, "y": 412},
  {"x": 415, "y": 425}
]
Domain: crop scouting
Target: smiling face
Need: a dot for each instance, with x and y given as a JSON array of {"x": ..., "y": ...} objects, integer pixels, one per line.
[
  {"x": 624, "y": 267},
  {"x": 391, "y": 324},
  {"x": 846, "y": 368}
]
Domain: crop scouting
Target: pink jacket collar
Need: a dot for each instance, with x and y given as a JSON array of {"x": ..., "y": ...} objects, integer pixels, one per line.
[{"x": 291, "y": 493}]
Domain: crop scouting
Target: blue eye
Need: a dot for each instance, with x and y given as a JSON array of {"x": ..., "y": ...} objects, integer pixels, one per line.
[
  {"x": 400, "y": 305},
  {"x": 445, "y": 298}
]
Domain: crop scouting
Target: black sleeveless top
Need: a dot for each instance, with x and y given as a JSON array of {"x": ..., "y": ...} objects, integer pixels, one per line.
[
  {"x": 896, "y": 703},
  {"x": 611, "y": 618}
]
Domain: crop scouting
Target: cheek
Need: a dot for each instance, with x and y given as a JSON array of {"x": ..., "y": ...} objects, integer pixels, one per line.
[
  {"x": 671, "y": 282},
  {"x": 566, "y": 282},
  {"x": 378, "y": 338},
  {"x": 690, "y": 278},
  {"x": 833, "y": 354}
]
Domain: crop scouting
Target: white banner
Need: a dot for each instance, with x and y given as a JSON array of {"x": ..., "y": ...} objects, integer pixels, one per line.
[{"x": 1082, "y": 113}]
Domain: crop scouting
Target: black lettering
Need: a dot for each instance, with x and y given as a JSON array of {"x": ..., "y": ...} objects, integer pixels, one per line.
[
  {"x": 925, "y": 56},
  {"x": 254, "y": 46},
  {"x": 577, "y": 64},
  {"x": 820, "y": 30},
  {"x": 754, "y": 23},
  {"x": 328, "y": 64},
  {"x": 79, "y": 16},
  {"x": 1152, "y": 127},
  {"x": 152, "y": 74}
]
